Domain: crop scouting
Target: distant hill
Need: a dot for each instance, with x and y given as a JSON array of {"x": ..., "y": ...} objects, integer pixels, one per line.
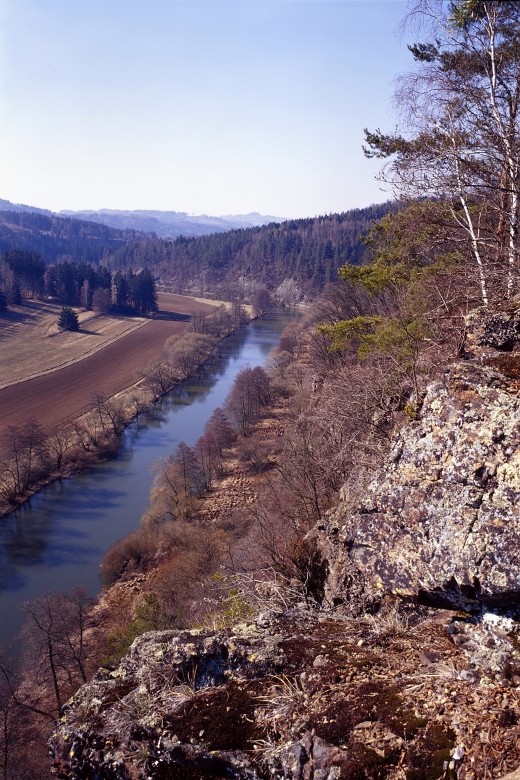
[
  {"x": 164, "y": 224},
  {"x": 60, "y": 238},
  {"x": 172, "y": 224},
  {"x": 6, "y": 205}
]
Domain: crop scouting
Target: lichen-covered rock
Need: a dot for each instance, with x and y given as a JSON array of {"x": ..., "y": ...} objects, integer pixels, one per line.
[
  {"x": 441, "y": 520},
  {"x": 498, "y": 330},
  {"x": 156, "y": 682},
  {"x": 404, "y": 694}
]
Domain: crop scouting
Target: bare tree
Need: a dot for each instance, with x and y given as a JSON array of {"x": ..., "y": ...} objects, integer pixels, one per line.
[
  {"x": 262, "y": 300},
  {"x": 179, "y": 482},
  {"x": 54, "y": 647},
  {"x": 186, "y": 354},
  {"x": 9, "y": 733},
  {"x": 59, "y": 442},
  {"x": 217, "y": 437},
  {"x": 288, "y": 293},
  {"x": 102, "y": 300},
  {"x": 88, "y": 434},
  {"x": 160, "y": 376},
  {"x": 111, "y": 414},
  {"x": 199, "y": 322},
  {"x": 250, "y": 391},
  {"x": 25, "y": 453}
]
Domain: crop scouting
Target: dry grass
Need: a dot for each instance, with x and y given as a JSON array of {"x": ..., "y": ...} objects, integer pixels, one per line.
[{"x": 32, "y": 344}]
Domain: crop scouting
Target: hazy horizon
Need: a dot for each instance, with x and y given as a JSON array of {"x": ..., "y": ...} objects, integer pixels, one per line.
[
  {"x": 152, "y": 210},
  {"x": 208, "y": 108}
]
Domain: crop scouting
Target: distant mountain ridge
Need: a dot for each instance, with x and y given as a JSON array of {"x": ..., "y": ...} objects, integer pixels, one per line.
[
  {"x": 6, "y": 205},
  {"x": 172, "y": 224},
  {"x": 165, "y": 224}
]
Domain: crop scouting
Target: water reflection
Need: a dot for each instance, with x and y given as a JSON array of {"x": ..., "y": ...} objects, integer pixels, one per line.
[{"x": 57, "y": 539}]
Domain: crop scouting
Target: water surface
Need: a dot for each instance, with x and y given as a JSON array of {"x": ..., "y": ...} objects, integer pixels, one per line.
[{"x": 58, "y": 538}]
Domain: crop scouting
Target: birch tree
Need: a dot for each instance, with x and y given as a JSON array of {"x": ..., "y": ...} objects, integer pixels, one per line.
[{"x": 461, "y": 136}]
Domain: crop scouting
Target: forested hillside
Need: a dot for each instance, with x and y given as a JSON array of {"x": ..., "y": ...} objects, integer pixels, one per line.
[
  {"x": 55, "y": 238},
  {"x": 303, "y": 255},
  {"x": 307, "y": 251}
]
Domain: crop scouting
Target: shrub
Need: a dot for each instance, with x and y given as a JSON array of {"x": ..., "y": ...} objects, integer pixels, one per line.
[{"x": 132, "y": 552}]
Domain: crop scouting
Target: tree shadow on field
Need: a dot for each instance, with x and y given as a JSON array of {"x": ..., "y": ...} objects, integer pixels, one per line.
[
  {"x": 9, "y": 318},
  {"x": 162, "y": 314}
]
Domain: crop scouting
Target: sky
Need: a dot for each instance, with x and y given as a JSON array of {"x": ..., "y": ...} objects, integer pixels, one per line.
[{"x": 201, "y": 106}]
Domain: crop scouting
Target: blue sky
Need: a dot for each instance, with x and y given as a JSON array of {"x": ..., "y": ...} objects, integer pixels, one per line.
[{"x": 203, "y": 106}]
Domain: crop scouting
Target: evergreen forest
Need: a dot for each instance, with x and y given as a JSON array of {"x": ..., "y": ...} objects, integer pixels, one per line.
[{"x": 298, "y": 257}]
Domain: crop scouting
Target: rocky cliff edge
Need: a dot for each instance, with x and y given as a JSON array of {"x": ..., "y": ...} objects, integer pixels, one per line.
[
  {"x": 440, "y": 521},
  {"x": 378, "y": 682}
]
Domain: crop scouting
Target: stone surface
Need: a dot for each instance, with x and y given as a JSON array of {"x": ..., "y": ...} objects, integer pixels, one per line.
[
  {"x": 498, "y": 330},
  {"x": 441, "y": 520},
  {"x": 119, "y": 718},
  {"x": 407, "y": 693}
]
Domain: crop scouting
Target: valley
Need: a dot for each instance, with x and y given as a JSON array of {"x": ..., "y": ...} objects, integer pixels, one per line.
[
  {"x": 40, "y": 365},
  {"x": 57, "y": 540},
  {"x": 274, "y": 535}
]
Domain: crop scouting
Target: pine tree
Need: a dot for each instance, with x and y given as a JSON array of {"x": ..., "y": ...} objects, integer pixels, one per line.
[{"x": 68, "y": 319}]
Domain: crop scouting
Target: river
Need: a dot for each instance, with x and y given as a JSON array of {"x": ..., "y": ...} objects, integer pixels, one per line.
[{"x": 58, "y": 538}]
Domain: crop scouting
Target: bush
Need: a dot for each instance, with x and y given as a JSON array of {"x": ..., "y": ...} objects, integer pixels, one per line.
[
  {"x": 149, "y": 616},
  {"x": 132, "y": 553}
]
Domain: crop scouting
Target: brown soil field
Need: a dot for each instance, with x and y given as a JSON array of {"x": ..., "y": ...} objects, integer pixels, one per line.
[
  {"x": 93, "y": 365},
  {"x": 31, "y": 342}
]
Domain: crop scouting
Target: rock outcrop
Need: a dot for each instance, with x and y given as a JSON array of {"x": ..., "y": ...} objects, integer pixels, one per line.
[
  {"x": 307, "y": 696},
  {"x": 378, "y": 682},
  {"x": 440, "y": 522}
]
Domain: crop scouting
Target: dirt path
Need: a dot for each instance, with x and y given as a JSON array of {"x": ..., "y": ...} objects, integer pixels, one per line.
[{"x": 66, "y": 393}]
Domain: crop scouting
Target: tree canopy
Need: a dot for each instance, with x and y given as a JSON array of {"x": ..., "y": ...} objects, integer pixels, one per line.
[{"x": 460, "y": 140}]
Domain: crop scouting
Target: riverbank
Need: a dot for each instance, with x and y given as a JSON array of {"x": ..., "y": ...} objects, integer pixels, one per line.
[
  {"x": 57, "y": 539},
  {"x": 199, "y": 567},
  {"x": 132, "y": 604},
  {"x": 33, "y": 458}
]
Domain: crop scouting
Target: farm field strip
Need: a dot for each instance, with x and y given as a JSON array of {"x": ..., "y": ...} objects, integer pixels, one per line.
[
  {"x": 66, "y": 393},
  {"x": 31, "y": 344}
]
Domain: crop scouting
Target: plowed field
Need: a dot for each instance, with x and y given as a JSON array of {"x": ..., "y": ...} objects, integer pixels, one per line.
[{"x": 65, "y": 393}]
